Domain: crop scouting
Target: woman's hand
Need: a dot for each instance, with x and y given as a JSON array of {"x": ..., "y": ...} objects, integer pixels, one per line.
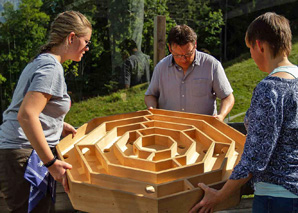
[
  {"x": 68, "y": 129},
  {"x": 58, "y": 171},
  {"x": 210, "y": 200}
]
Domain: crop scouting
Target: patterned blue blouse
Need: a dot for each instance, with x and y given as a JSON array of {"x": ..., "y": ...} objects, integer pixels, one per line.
[{"x": 271, "y": 148}]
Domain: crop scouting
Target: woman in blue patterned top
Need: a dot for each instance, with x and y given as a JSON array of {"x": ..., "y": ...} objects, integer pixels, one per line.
[{"x": 270, "y": 155}]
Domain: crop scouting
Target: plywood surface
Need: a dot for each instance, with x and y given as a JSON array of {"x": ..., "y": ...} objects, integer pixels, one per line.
[{"x": 149, "y": 161}]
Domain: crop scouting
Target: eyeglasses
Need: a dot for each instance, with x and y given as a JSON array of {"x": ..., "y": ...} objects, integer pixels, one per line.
[
  {"x": 88, "y": 43},
  {"x": 187, "y": 55}
]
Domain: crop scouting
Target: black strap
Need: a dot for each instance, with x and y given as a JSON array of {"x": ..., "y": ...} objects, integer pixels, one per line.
[{"x": 51, "y": 162}]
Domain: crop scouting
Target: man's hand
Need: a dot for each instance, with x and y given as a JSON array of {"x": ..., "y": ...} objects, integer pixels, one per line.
[
  {"x": 150, "y": 101},
  {"x": 219, "y": 117},
  {"x": 226, "y": 106}
]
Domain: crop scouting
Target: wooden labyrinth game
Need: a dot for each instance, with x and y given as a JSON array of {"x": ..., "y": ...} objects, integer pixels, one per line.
[{"x": 149, "y": 161}]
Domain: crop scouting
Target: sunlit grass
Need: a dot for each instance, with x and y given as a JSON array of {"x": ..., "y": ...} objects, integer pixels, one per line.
[
  {"x": 123, "y": 101},
  {"x": 244, "y": 75}
]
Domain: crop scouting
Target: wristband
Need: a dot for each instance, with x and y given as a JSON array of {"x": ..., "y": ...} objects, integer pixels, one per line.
[{"x": 50, "y": 163}]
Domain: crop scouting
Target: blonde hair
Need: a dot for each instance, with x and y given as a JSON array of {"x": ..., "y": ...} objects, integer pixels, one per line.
[{"x": 65, "y": 23}]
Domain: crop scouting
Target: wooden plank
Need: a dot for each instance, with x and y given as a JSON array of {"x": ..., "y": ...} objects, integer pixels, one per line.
[
  {"x": 159, "y": 39},
  {"x": 123, "y": 184},
  {"x": 90, "y": 198}
]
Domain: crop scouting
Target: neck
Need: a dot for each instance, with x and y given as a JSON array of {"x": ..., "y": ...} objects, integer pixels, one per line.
[
  {"x": 59, "y": 53},
  {"x": 279, "y": 61}
]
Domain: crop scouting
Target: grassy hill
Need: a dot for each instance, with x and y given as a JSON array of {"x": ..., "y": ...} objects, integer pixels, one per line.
[
  {"x": 242, "y": 73},
  {"x": 123, "y": 101}
]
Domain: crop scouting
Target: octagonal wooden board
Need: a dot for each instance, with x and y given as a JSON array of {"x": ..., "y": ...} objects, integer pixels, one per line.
[{"x": 149, "y": 161}]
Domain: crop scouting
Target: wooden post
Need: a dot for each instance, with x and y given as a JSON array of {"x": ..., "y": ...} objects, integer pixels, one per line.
[{"x": 159, "y": 38}]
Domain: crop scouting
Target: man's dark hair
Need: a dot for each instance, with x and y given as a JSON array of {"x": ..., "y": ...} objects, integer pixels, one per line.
[
  {"x": 128, "y": 45},
  {"x": 181, "y": 35}
]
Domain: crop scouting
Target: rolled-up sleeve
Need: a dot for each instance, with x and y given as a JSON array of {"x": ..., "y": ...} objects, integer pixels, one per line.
[{"x": 221, "y": 84}]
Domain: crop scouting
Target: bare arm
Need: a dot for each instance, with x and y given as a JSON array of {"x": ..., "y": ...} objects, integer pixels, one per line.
[
  {"x": 150, "y": 101},
  {"x": 226, "y": 106},
  {"x": 213, "y": 197},
  {"x": 28, "y": 116}
]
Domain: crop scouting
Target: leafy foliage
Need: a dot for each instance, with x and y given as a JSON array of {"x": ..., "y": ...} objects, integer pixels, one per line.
[
  {"x": 153, "y": 9},
  {"x": 21, "y": 35},
  {"x": 206, "y": 21},
  {"x": 103, "y": 61}
]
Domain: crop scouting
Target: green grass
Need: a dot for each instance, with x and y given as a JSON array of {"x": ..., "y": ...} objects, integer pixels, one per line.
[
  {"x": 242, "y": 73},
  {"x": 123, "y": 101},
  {"x": 243, "y": 76}
]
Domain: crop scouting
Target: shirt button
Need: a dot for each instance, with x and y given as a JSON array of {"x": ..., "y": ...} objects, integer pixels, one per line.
[
  {"x": 182, "y": 109},
  {"x": 182, "y": 96},
  {"x": 182, "y": 82}
]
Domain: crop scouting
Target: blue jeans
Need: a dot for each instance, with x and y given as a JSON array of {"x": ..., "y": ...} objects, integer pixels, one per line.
[{"x": 268, "y": 204}]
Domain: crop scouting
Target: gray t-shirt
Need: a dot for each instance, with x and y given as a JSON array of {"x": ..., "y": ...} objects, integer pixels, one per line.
[
  {"x": 44, "y": 74},
  {"x": 196, "y": 91}
]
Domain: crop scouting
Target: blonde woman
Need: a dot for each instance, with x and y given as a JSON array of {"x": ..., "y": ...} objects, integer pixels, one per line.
[
  {"x": 34, "y": 119},
  {"x": 270, "y": 155}
]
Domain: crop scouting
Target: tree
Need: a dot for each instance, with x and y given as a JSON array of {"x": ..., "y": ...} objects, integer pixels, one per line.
[
  {"x": 22, "y": 33},
  {"x": 153, "y": 9},
  {"x": 206, "y": 21},
  {"x": 134, "y": 20}
]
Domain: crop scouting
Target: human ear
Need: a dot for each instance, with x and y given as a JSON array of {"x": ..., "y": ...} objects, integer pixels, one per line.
[
  {"x": 71, "y": 37},
  {"x": 259, "y": 45}
]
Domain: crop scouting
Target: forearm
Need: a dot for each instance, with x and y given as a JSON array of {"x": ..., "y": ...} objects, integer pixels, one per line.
[
  {"x": 151, "y": 101},
  {"x": 226, "y": 106},
  {"x": 231, "y": 186},
  {"x": 33, "y": 130}
]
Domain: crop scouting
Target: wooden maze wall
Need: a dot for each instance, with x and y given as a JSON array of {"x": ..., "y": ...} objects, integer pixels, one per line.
[{"x": 149, "y": 161}]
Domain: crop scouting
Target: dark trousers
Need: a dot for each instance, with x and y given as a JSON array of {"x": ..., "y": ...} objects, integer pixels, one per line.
[
  {"x": 268, "y": 204},
  {"x": 14, "y": 186}
]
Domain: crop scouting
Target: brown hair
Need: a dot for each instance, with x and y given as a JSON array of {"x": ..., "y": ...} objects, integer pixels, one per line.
[
  {"x": 181, "y": 35},
  {"x": 272, "y": 28},
  {"x": 65, "y": 23}
]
